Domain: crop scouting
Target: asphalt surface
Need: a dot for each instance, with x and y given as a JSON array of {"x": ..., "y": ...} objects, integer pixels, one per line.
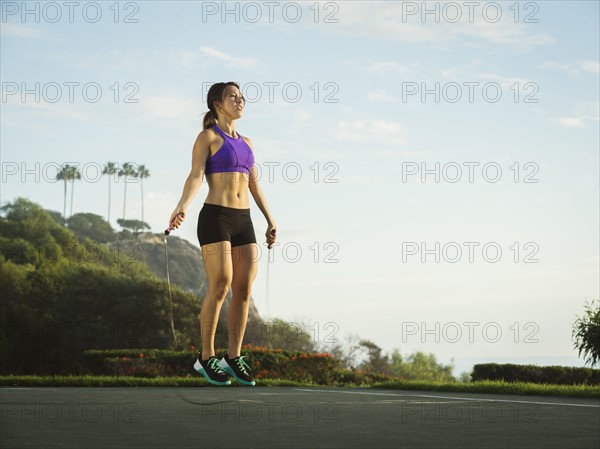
[{"x": 290, "y": 417}]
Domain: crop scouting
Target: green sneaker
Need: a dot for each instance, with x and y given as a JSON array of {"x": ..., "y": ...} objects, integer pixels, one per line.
[
  {"x": 238, "y": 369},
  {"x": 211, "y": 370}
]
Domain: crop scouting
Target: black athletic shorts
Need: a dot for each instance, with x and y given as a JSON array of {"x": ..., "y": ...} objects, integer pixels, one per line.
[{"x": 218, "y": 223}]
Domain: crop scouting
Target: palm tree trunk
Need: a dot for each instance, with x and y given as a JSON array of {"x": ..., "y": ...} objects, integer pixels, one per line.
[
  {"x": 125, "y": 198},
  {"x": 72, "y": 187},
  {"x": 142, "y": 185},
  {"x": 65, "y": 204},
  {"x": 108, "y": 198}
]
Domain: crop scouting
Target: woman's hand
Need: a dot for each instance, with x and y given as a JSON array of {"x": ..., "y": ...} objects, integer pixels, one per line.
[
  {"x": 271, "y": 234},
  {"x": 177, "y": 217}
]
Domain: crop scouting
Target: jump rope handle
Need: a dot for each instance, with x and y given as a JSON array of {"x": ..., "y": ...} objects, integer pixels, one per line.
[
  {"x": 273, "y": 233},
  {"x": 172, "y": 226}
]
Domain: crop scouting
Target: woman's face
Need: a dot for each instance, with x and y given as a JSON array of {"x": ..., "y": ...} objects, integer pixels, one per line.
[{"x": 233, "y": 102}]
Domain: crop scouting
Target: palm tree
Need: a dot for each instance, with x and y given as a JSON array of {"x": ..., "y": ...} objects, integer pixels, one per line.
[
  {"x": 62, "y": 175},
  {"x": 142, "y": 173},
  {"x": 110, "y": 169},
  {"x": 68, "y": 173},
  {"x": 128, "y": 171},
  {"x": 73, "y": 174}
]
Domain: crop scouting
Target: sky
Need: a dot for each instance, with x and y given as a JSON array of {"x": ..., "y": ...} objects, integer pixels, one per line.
[{"x": 432, "y": 167}]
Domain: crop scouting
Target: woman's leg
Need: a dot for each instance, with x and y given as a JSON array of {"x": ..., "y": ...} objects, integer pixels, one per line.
[
  {"x": 219, "y": 270},
  {"x": 245, "y": 268}
]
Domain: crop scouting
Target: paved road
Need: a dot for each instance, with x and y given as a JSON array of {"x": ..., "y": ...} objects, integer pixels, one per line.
[{"x": 290, "y": 417}]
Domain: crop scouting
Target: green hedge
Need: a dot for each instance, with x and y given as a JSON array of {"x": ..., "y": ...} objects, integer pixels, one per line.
[
  {"x": 559, "y": 375},
  {"x": 320, "y": 369},
  {"x": 297, "y": 366},
  {"x": 495, "y": 387}
]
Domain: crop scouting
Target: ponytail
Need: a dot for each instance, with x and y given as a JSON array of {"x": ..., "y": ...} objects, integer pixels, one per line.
[{"x": 210, "y": 120}]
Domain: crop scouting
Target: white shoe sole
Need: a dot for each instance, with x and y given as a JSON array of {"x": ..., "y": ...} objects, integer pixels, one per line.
[{"x": 200, "y": 369}]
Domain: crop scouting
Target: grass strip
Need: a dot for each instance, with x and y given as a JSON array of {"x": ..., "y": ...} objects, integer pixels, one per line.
[
  {"x": 494, "y": 387},
  {"x": 126, "y": 381},
  {"x": 497, "y": 387}
]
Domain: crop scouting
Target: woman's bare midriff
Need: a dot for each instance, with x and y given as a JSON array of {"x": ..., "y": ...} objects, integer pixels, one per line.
[{"x": 228, "y": 189}]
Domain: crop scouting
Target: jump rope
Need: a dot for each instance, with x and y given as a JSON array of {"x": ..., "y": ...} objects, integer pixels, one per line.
[{"x": 166, "y": 233}]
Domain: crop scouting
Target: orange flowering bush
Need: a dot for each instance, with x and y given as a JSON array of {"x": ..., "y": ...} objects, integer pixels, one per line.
[{"x": 317, "y": 368}]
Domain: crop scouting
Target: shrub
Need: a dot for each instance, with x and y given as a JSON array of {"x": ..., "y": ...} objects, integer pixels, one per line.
[{"x": 562, "y": 375}]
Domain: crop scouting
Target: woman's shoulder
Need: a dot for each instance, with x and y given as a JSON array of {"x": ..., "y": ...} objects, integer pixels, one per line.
[
  {"x": 248, "y": 141},
  {"x": 206, "y": 139},
  {"x": 208, "y": 134}
]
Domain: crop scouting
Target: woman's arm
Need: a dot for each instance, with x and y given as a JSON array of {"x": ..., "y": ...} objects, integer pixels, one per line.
[
  {"x": 194, "y": 180},
  {"x": 259, "y": 196},
  {"x": 261, "y": 202}
]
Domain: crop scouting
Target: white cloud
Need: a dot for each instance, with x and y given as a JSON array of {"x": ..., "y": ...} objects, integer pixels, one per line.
[
  {"x": 503, "y": 32},
  {"x": 8, "y": 121},
  {"x": 527, "y": 88},
  {"x": 142, "y": 61},
  {"x": 389, "y": 20},
  {"x": 399, "y": 154},
  {"x": 186, "y": 59},
  {"x": 372, "y": 131},
  {"x": 19, "y": 31},
  {"x": 383, "y": 68},
  {"x": 589, "y": 110},
  {"x": 106, "y": 62},
  {"x": 170, "y": 107},
  {"x": 583, "y": 113},
  {"x": 381, "y": 96},
  {"x": 28, "y": 110},
  {"x": 573, "y": 68},
  {"x": 232, "y": 61},
  {"x": 504, "y": 81},
  {"x": 301, "y": 118},
  {"x": 461, "y": 76},
  {"x": 591, "y": 66},
  {"x": 571, "y": 122},
  {"x": 430, "y": 74}
]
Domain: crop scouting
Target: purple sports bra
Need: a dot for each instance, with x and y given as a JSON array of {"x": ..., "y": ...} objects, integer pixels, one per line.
[{"x": 234, "y": 155}]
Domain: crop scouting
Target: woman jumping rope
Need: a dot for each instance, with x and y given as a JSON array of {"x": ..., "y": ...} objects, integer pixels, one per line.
[{"x": 225, "y": 230}]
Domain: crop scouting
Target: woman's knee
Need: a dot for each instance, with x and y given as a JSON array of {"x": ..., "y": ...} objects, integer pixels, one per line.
[
  {"x": 242, "y": 292},
  {"x": 219, "y": 288}
]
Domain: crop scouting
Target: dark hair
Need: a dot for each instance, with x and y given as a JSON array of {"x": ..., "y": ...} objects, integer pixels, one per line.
[{"x": 215, "y": 94}]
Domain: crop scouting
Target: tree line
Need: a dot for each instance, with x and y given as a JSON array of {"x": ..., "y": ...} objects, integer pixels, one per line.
[
  {"x": 70, "y": 173},
  {"x": 63, "y": 293}
]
